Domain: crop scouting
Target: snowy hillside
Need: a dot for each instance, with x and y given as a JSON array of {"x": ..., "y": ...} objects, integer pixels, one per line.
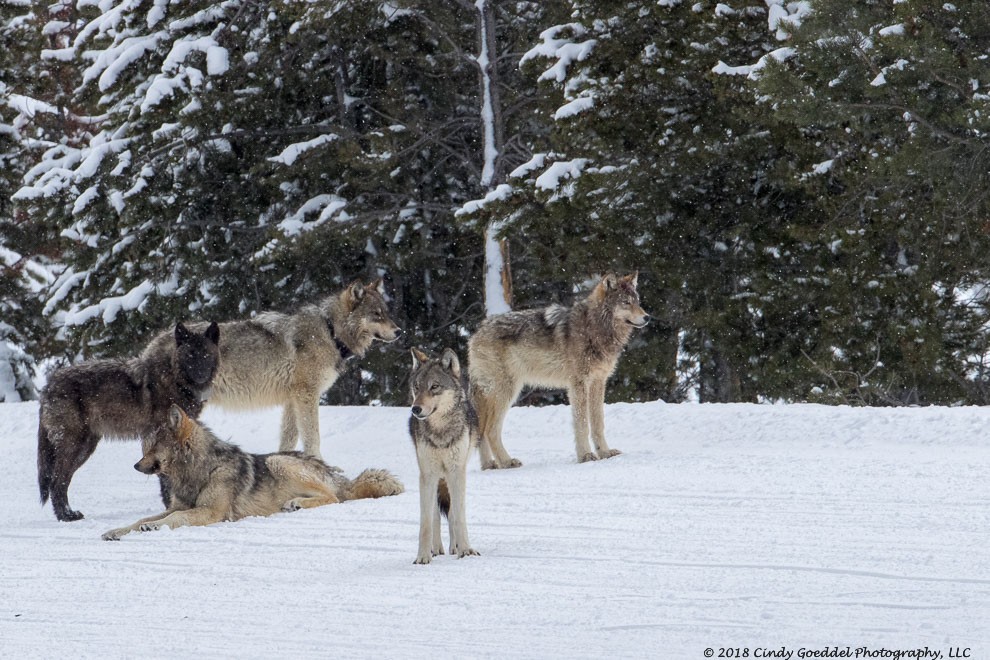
[{"x": 721, "y": 526}]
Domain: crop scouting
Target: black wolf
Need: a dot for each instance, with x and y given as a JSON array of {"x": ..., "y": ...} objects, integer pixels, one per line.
[{"x": 120, "y": 399}]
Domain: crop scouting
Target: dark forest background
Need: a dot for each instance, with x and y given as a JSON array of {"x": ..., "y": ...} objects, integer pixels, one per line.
[{"x": 802, "y": 186}]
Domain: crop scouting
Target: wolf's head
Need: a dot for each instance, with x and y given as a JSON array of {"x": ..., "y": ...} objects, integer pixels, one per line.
[
  {"x": 197, "y": 355},
  {"x": 435, "y": 383},
  {"x": 366, "y": 316},
  {"x": 170, "y": 443},
  {"x": 619, "y": 295}
]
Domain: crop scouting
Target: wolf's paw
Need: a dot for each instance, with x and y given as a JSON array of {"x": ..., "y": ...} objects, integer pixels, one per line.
[
  {"x": 489, "y": 465},
  {"x": 68, "y": 515},
  {"x": 513, "y": 463},
  {"x": 469, "y": 552},
  {"x": 150, "y": 526},
  {"x": 292, "y": 505},
  {"x": 438, "y": 550},
  {"x": 609, "y": 453},
  {"x": 114, "y": 534},
  {"x": 587, "y": 458},
  {"x": 423, "y": 559}
]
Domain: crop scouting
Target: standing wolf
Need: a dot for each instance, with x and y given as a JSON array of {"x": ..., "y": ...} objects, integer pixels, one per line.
[
  {"x": 574, "y": 347},
  {"x": 213, "y": 480},
  {"x": 118, "y": 399},
  {"x": 290, "y": 360},
  {"x": 443, "y": 427}
]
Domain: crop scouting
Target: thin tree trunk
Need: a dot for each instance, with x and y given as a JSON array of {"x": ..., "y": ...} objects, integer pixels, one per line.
[{"x": 498, "y": 278}]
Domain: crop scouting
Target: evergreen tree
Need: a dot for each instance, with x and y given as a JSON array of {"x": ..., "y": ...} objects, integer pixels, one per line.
[
  {"x": 659, "y": 162},
  {"x": 893, "y": 98}
]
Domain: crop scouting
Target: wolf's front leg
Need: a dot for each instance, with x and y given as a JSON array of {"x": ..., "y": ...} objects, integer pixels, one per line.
[
  {"x": 289, "y": 433},
  {"x": 115, "y": 534},
  {"x": 196, "y": 517},
  {"x": 596, "y": 405},
  {"x": 427, "y": 513},
  {"x": 457, "y": 483},
  {"x": 577, "y": 394},
  {"x": 307, "y": 407}
]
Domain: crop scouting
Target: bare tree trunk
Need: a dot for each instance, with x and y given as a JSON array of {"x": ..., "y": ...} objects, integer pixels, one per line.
[{"x": 498, "y": 278}]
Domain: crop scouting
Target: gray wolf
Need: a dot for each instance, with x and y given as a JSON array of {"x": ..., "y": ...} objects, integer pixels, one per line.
[
  {"x": 574, "y": 347},
  {"x": 443, "y": 427},
  {"x": 118, "y": 399},
  {"x": 290, "y": 360},
  {"x": 214, "y": 481}
]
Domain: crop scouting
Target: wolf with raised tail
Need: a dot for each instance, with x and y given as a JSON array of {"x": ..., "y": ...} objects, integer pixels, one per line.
[
  {"x": 214, "y": 481},
  {"x": 444, "y": 428},
  {"x": 574, "y": 348},
  {"x": 290, "y": 360}
]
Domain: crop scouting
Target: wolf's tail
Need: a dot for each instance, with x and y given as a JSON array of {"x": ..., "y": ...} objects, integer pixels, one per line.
[
  {"x": 443, "y": 497},
  {"x": 46, "y": 462},
  {"x": 372, "y": 483}
]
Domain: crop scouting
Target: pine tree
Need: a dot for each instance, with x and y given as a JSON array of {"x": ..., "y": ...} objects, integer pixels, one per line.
[
  {"x": 893, "y": 99},
  {"x": 658, "y": 162}
]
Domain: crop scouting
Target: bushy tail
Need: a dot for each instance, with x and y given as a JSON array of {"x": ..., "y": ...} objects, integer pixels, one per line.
[
  {"x": 46, "y": 462},
  {"x": 372, "y": 483},
  {"x": 443, "y": 497}
]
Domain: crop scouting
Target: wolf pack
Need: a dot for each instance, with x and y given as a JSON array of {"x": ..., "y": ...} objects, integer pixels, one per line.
[{"x": 290, "y": 360}]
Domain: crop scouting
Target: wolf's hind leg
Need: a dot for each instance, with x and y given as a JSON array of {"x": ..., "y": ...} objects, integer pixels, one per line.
[
  {"x": 495, "y": 402},
  {"x": 73, "y": 451},
  {"x": 313, "y": 495}
]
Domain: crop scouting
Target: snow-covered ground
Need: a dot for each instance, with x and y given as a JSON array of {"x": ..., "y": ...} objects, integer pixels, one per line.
[{"x": 721, "y": 526}]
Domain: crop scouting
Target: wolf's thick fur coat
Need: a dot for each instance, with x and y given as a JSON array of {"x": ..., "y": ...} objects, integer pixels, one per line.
[
  {"x": 213, "y": 480},
  {"x": 444, "y": 428},
  {"x": 290, "y": 360},
  {"x": 574, "y": 348},
  {"x": 120, "y": 399}
]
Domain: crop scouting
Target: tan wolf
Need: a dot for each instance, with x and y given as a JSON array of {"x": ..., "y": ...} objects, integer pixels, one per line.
[
  {"x": 290, "y": 360},
  {"x": 214, "y": 481},
  {"x": 119, "y": 399},
  {"x": 574, "y": 347},
  {"x": 443, "y": 427}
]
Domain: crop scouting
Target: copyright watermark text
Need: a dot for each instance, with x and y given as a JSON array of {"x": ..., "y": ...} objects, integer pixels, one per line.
[{"x": 785, "y": 653}]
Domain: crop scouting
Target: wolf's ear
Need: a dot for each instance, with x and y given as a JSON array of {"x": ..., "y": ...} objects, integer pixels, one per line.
[
  {"x": 450, "y": 362},
  {"x": 182, "y": 334},
  {"x": 175, "y": 416},
  {"x": 419, "y": 357},
  {"x": 607, "y": 283},
  {"x": 378, "y": 285},
  {"x": 357, "y": 290},
  {"x": 213, "y": 333},
  {"x": 632, "y": 279}
]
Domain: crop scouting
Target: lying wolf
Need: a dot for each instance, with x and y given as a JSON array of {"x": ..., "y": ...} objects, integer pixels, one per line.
[
  {"x": 290, "y": 360},
  {"x": 213, "y": 481},
  {"x": 574, "y": 347},
  {"x": 120, "y": 399},
  {"x": 443, "y": 427}
]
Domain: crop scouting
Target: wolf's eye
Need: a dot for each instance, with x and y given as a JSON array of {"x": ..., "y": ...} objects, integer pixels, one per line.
[{"x": 434, "y": 387}]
